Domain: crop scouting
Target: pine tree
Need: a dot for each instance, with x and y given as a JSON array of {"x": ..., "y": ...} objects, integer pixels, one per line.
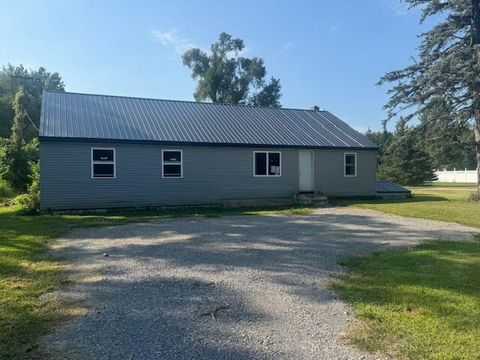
[
  {"x": 449, "y": 145},
  {"x": 404, "y": 160},
  {"x": 448, "y": 67}
]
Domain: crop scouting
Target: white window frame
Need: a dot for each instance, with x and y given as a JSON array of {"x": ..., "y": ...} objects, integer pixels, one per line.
[
  {"x": 345, "y": 164},
  {"x": 114, "y": 162},
  {"x": 173, "y": 163},
  {"x": 267, "y": 152}
]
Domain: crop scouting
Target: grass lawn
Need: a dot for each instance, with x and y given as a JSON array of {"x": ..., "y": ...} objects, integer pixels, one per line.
[
  {"x": 419, "y": 303},
  {"x": 429, "y": 202},
  {"x": 422, "y": 302},
  {"x": 27, "y": 269},
  {"x": 458, "y": 184}
]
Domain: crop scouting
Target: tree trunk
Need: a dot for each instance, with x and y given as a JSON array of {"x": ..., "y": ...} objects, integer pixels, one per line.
[{"x": 475, "y": 43}]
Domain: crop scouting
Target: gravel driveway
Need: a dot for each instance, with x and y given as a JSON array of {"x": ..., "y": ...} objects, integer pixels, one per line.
[{"x": 250, "y": 287}]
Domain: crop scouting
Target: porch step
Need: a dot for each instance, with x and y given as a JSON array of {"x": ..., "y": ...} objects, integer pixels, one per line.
[{"x": 311, "y": 199}]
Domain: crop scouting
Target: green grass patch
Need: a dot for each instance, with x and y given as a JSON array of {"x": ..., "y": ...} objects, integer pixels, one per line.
[
  {"x": 428, "y": 203},
  {"x": 28, "y": 270},
  {"x": 419, "y": 303},
  {"x": 458, "y": 184}
]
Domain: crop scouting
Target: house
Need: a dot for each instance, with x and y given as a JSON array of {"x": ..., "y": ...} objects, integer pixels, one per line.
[{"x": 101, "y": 151}]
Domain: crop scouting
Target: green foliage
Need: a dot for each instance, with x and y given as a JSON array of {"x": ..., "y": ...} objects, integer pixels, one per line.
[
  {"x": 405, "y": 161},
  {"x": 447, "y": 69},
  {"x": 269, "y": 95},
  {"x": 33, "y": 189},
  {"x": 6, "y": 191},
  {"x": 15, "y": 164},
  {"x": 451, "y": 146},
  {"x": 382, "y": 139},
  {"x": 226, "y": 77},
  {"x": 20, "y": 100},
  {"x": 419, "y": 303},
  {"x": 34, "y": 82},
  {"x": 20, "y": 104},
  {"x": 30, "y": 201}
]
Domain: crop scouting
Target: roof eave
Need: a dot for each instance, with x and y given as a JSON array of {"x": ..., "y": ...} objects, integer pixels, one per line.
[{"x": 186, "y": 143}]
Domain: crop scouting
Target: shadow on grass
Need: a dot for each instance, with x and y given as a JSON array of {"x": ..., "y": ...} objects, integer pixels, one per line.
[
  {"x": 417, "y": 303},
  {"x": 413, "y": 199}
]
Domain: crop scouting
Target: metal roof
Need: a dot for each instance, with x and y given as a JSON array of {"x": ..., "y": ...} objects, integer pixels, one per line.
[
  {"x": 388, "y": 187},
  {"x": 83, "y": 116}
]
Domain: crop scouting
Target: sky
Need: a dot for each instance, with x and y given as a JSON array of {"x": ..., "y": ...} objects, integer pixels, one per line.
[{"x": 326, "y": 53}]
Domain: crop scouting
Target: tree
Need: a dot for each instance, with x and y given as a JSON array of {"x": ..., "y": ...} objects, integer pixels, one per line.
[
  {"x": 16, "y": 164},
  {"x": 20, "y": 101},
  {"x": 450, "y": 146},
  {"x": 19, "y": 107},
  {"x": 404, "y": 160},
  {"x": 226, "y": 77},
  {"x": 33, "y": 83},
  {"x": 448, "y": 67},
  {"x": 16, "y": 156},
  {"x": 382, "y": 139}
]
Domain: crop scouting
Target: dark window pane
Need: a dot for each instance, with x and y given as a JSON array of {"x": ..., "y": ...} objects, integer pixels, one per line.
[
  {"x": 350, "y": 159},
  {"x": 274, "y": 164},
  {"x": 172, "y": 156},
  {"x": 103, "y": 170},
  {"x": 350, "y": 170},
  {"x": 172, "y": 170},
  {"x": 260, "y": 164},
  {"x": 103, "y": 155}
]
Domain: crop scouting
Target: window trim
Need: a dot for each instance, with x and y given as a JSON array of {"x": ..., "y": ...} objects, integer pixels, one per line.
[
  {"x": 345, "y": 164},
  {"x": 173, "y": 163},
  {"x": 266, "y": 162},
  {"x": 93, "y": 162}
]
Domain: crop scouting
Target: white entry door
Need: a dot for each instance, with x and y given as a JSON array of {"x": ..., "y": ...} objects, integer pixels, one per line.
[{"x": 305, "y": 161}]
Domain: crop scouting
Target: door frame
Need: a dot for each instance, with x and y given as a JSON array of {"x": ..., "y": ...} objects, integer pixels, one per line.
[{"x": 312, "y": 167}]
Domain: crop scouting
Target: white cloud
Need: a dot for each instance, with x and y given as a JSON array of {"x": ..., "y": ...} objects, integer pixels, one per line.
[{"x": 171, "y": 40}]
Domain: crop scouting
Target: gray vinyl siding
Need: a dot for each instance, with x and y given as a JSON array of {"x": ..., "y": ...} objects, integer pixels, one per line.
[
  {"x": 329, "y": 173},
  {"x": 210, "y": 175}
]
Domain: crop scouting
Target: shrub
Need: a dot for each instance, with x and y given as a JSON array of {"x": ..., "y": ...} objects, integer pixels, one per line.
[
  {"x": 33, "y": 190},
  {"x": 405, "y": 161},
  {"x": 6, "y": 191},
  {"x": 15, "y": 164}
]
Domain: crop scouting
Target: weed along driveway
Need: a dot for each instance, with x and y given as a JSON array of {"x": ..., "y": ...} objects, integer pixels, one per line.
[{"x": 226, "y": 287}]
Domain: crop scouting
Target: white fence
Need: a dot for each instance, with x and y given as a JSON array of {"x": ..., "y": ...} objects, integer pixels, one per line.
[{"x": 457, "y": 176}]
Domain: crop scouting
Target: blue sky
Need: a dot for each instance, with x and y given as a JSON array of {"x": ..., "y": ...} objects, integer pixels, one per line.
[{"x": 328, "y": 53}]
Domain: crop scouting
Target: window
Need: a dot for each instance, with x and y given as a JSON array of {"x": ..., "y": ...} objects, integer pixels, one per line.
[
  {"x": 266, "y": 163},
  {"x": 350, "y": 164},
  {"x": 172, "y": 163},
  {"x": 103, "y": 163}
]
